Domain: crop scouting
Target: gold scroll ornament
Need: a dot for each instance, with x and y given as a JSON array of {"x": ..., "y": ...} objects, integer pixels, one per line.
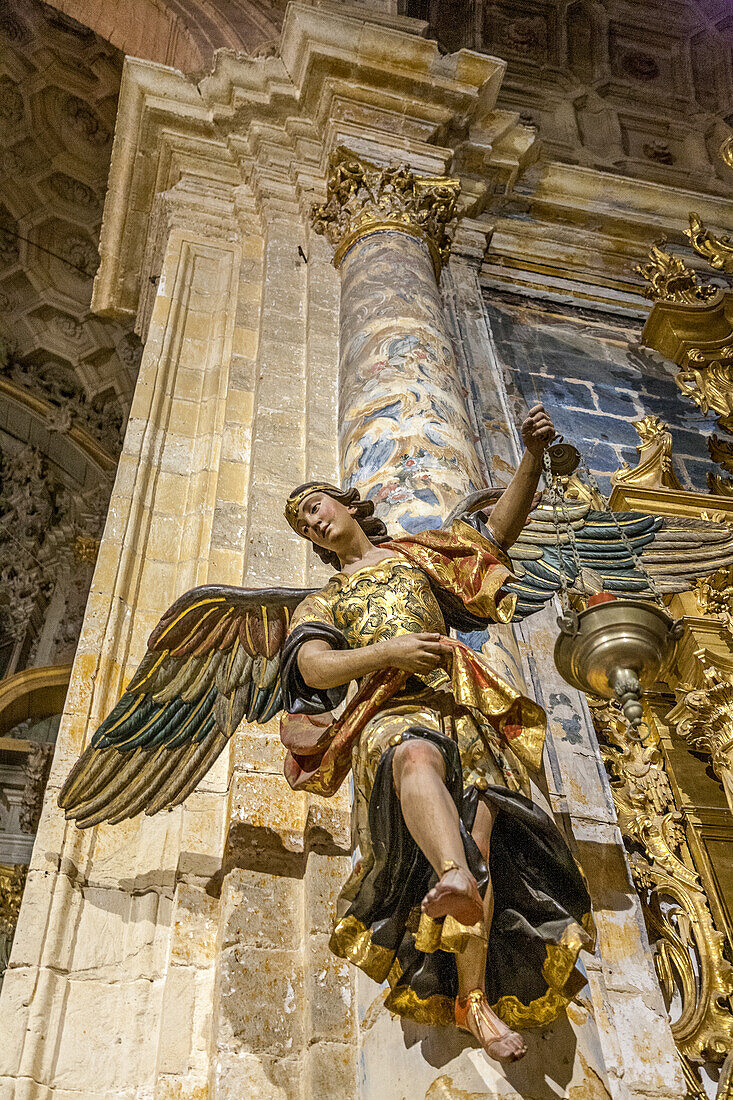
[
  {"x": 718, "y": 251},
  {"x": 688, "y": 949}
]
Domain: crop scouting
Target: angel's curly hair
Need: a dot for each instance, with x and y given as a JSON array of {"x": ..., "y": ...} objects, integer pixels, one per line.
[{"x": 373, "y": 528}]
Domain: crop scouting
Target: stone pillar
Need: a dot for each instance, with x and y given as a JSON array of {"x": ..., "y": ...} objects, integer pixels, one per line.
[
  {"x": 405, "y": 437},
  {"x": 114, "y": 952}
]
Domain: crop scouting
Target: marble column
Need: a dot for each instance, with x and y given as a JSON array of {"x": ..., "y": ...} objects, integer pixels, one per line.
[{"x": 405, "y": 437}]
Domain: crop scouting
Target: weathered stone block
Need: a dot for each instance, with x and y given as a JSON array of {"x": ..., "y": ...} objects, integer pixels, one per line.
[
  {"x": 329, "y": 992},
  {"x": 260, "y": 909},
  {"x": 261, "y": 1001},
  {"x": 332, "y": 1072},
  {"x": 195, "y": 927},
  {"x": 240, "y": 1076}
]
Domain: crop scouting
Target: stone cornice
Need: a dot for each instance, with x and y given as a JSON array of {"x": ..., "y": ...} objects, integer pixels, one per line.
[
  {"x": 575, "y": 233},
  {"x": 272, "y": 123}
]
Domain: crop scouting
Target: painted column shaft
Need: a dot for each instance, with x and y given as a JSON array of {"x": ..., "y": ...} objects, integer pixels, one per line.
[{"x": 405, "y": 437}]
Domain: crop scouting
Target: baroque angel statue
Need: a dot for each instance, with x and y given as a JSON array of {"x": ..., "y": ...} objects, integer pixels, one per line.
[{"x": 464, "y": 897}]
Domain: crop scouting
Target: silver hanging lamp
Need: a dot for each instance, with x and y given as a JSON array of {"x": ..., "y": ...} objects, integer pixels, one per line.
[{"x": 616, "y": 647}]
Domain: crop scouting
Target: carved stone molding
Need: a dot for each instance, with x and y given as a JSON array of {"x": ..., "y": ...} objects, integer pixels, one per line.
[
  {"x": 655, "y": 469},
  {"x": 35, "y": 769},
  {"x": 671, "y": 281},
  {"x": 283, "y": 168},
  {"x": 42, "y": 522},
  {"x": 57, "y": 115},
  {"x": 718, "y": 251},
  {"x": 688, "y": 949},
  {"x": 362, "y": 198},
  {"x": 66, "y": 404}
]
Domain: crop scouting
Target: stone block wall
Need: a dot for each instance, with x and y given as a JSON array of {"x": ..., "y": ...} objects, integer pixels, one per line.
[{"x": 594, "y": 378}]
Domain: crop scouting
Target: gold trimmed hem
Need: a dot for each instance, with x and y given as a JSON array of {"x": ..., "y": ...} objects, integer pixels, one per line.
[
  {"x": 435, "y": 1011},
  {"x": 352, "y": 940},
  {"x": 446, "y": 934},
  {"x": 557, "y": 970}
]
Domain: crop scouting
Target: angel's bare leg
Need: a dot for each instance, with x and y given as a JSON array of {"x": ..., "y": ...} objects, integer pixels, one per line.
[
  {"x": 498, "y": 1040},
  {"x": 432, "y": 818}
]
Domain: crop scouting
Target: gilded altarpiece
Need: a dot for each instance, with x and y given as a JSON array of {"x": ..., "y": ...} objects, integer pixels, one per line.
[{"x": 672, "y": 788}]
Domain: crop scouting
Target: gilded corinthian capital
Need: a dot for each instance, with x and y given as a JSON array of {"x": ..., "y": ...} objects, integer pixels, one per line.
[{"x": 362, "y": 198}]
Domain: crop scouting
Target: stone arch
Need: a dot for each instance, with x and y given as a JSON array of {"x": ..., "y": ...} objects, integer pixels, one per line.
[
  {"x": 33, "y": 693},
  {"x": 181, "y": 33}
]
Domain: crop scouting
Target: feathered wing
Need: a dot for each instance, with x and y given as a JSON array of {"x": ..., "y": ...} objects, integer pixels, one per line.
[
  {"x": 672, "y": 549},
  {"x": 212, "y": 661}
]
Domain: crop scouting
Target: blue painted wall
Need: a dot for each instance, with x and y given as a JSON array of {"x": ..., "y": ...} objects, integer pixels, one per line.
[{"x": 594, "y": 379}]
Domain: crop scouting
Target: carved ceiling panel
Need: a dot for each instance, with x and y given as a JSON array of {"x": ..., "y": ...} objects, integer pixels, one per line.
[
  {"x": 641, "y": 89},
  {"x": 59, "y": 84}
]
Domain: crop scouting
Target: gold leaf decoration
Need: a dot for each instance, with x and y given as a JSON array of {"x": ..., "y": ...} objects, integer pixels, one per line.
[
  {"x": 670, "y": 281},
  {"x": 718, "y": 251},
  {"x": 655, "y": 469},
  {"x": 361, "y": 198},
  {"x": 708, "y": 382},
  {"x": 688, "y": 949}
]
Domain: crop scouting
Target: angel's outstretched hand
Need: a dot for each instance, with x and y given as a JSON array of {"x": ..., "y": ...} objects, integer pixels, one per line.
[{"x": 537, "y": 430}]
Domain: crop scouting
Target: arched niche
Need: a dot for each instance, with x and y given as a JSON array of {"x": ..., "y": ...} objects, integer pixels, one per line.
[{"x": 34, "y": 693}]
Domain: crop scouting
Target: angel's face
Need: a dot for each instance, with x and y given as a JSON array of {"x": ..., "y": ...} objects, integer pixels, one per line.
[{"x": 324, "y": 521}]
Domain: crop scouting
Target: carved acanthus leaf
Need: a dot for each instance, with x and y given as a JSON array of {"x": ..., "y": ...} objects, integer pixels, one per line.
[
  {"x": 718, "y": 251},
  {"x": 714, "y": 594},
  {"x": 362, "y": 196},
  {"x": 720, "y": 486},
  {"x": 721, "y": 451},
  {"x": 655, "y": 469},
  {"x": 688, "y": 949},
  {"x": 670, "y": 281},
  {"x": 704, "y": 717},
  {"x": 708, "y": 381}
]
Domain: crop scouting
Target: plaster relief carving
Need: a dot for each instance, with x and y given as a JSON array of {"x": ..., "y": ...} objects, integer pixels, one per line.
[
  {"x": 85, "y": 122},
  {"x": 11, "y": 102}
]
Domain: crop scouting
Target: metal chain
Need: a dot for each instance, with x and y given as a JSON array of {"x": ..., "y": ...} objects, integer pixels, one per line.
[
  {"x": 638, "y": 564},
  {"x": 552, "y": 486}
]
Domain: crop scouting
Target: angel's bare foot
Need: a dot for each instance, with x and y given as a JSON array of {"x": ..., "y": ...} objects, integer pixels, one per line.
[
  {"x": 455, "y": 893},
  {"x": 499, "y": 1041}
]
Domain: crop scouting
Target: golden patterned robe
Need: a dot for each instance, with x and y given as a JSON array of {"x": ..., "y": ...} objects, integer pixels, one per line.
[
  {"x": 488, "y": 733},
  {"x": 402, "y": 595}
]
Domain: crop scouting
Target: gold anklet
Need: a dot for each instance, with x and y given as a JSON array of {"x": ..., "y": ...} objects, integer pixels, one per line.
[{"x": 448, "y": 865}]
